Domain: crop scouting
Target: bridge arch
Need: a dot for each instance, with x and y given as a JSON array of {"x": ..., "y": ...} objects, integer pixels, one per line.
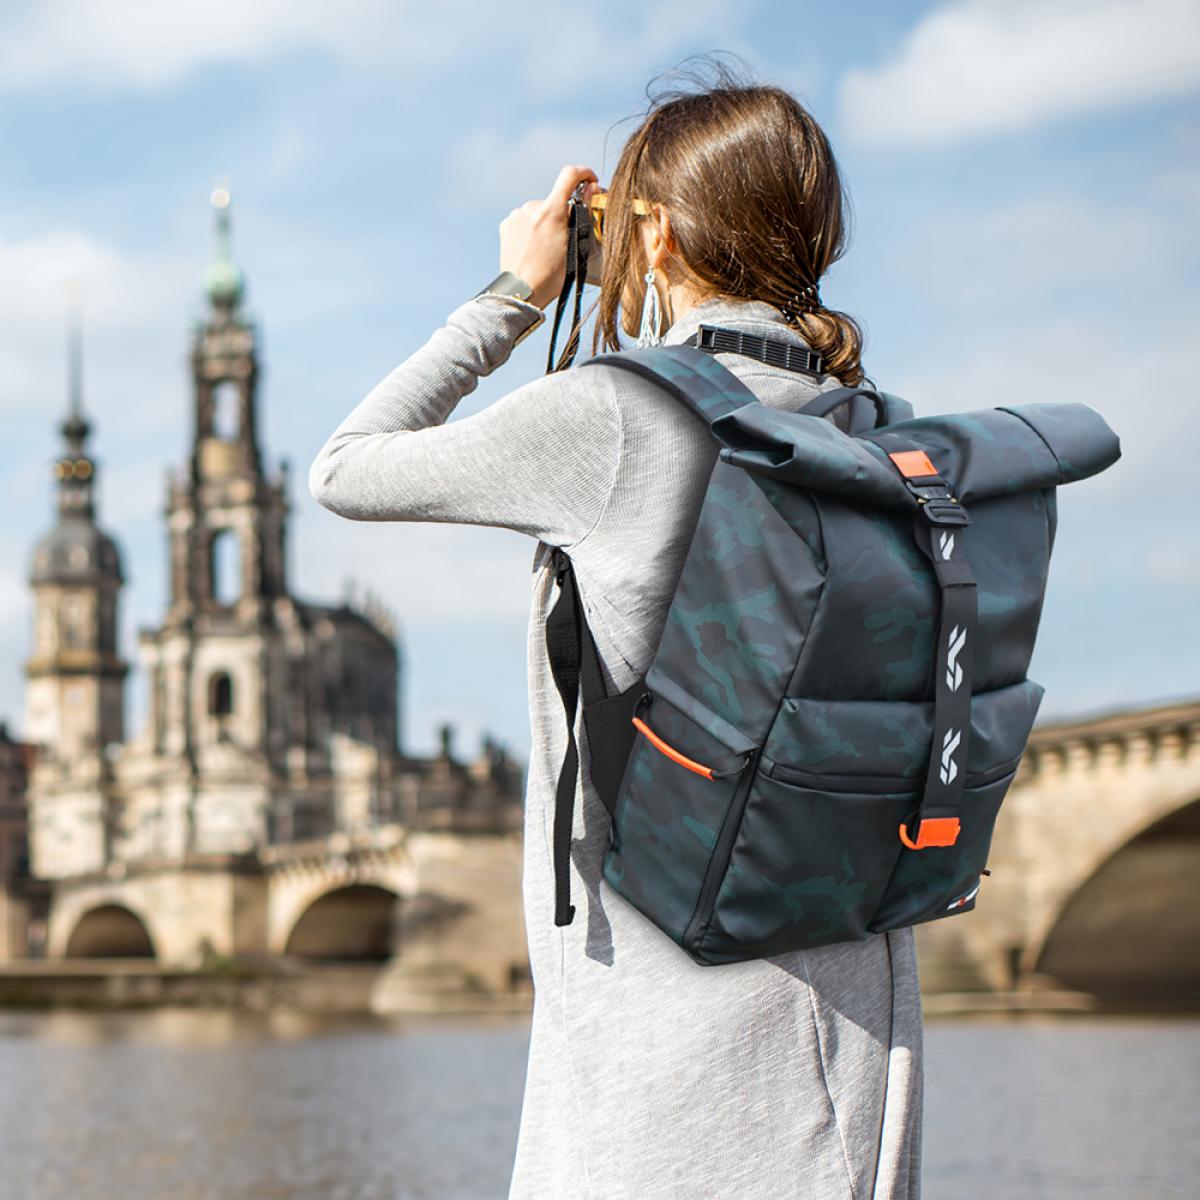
[
  {"x": 1132, "y": 925},
  {"x": 110, "y": 931},
  {"x": 297, "y": 885},
  {"x": 354, "y": 921}
]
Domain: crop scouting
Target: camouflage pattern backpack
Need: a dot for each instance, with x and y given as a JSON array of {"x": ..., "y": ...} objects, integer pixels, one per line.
[{"x": 839, "y": 701}]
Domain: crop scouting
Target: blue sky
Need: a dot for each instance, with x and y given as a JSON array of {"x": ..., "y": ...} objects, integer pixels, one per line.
[{"x": 1025, "y": 178}]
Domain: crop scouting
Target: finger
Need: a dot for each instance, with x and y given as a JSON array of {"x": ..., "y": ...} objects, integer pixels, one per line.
[{"x": 568, "y": 179}]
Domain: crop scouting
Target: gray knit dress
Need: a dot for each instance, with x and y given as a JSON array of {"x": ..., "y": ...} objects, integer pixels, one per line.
[{"x": 649, "y": 1075}]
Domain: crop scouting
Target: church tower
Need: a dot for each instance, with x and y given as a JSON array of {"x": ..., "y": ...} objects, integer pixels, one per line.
[
  {"x": 215, "y": 664},
  {"x": 269, "y": 719},
  {"x": 230, "y": 683},
  {"x": 227, "y": 520},
  {"x": 75, "y": 677}
]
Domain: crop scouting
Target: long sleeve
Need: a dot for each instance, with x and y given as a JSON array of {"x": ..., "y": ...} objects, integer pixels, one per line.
[{"x": 541, "y": 460}]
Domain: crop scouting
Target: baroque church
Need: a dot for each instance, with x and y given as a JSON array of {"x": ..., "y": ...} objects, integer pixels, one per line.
[{"x": 267, "y": 778}]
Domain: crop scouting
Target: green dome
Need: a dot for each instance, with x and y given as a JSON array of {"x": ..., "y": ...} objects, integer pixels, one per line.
[{"x": 223, "y": 282}]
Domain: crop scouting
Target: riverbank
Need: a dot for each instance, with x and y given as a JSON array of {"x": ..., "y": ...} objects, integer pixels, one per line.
[
  {"x": 117, "y": 984},
  {"x": 121, "y": 984}
]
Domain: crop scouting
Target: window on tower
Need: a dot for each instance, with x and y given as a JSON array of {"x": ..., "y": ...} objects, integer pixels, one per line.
[
  {"x": 220, "y": 695},
  {"x": 225, "y": 410},
  {"x": 226, "y": 566},
  {"x": 75, "y": 623}
]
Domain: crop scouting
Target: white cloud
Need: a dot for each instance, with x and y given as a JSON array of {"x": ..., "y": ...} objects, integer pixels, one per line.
[
  {"x": 118, "y": 290},
  {"x": 134, "y": 308},
  {"x": 564, "y": 47},
  {"x": 978, "y": 67},
  {"x": 141, "y": 45}
]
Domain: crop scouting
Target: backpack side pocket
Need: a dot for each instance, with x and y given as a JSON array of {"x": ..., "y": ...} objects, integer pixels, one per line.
[{"x": 675, "y": 795}]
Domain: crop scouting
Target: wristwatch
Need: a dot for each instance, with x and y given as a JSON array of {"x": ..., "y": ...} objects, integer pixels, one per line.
[{"x": 508, "y": 284}]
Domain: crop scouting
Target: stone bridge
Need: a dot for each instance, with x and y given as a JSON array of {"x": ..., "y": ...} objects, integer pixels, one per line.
[
  {"x": 1094, "y": 885},
  {"x": 1095, "y": 862},
  {"x": 433, "y": 899}
]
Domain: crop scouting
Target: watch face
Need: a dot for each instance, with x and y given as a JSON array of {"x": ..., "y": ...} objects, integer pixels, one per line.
[{"x": 518, "y": 286}]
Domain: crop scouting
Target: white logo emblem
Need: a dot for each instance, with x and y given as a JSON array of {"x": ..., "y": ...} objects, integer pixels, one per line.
[
  {"x": 949, "y": 768},
  {"x": 946, "y": 543},
  {"x": 965, "y": 898},
  {"x": 958, "y": 639}
]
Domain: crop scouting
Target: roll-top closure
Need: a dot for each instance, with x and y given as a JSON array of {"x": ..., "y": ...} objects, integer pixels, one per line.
[{"x": 988, "y": 452}]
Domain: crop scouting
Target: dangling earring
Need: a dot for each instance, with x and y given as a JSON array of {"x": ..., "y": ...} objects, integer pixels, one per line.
[{"x": 650, "y": 333}]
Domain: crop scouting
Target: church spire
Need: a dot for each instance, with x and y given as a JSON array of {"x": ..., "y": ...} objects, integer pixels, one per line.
[
  {"x": 75, "y": 469},
  {"x": 73, "y": 692},
  {"x": 222, "y": 280}
]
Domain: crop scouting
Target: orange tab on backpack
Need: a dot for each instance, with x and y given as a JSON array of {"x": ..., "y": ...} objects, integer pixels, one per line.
[
  {"x": 913, "y": 463},
  {"x": 934, "y": 831}
]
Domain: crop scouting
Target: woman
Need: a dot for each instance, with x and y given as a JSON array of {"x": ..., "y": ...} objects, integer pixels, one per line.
[{"x": 650, "y": 1075}]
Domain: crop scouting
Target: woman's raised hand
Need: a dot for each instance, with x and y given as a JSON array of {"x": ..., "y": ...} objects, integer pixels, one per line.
[{"x": 533, "y": 238}]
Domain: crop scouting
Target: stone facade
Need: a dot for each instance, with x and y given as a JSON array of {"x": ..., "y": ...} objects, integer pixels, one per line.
[{"x": 19, "y": 904}]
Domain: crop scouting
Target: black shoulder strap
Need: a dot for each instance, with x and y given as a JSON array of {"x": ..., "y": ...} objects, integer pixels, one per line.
[
  {"x": 573, "y": 658},
  {"x": 696, "y": 379}
]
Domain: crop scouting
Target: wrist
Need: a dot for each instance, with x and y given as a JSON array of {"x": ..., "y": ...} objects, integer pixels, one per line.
[{"x": 512, "y": 290}]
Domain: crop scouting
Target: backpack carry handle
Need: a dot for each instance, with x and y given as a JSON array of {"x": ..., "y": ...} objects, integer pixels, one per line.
[{"x": 826, "y": 402}]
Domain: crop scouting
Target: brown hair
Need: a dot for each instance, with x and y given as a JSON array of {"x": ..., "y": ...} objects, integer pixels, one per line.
[{"x": 756, "y": 205}]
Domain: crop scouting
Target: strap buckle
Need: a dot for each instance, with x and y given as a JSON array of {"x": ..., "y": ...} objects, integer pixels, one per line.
[
  {"x": 936, "y": 502},
  {"x": 939, "y": 506}
]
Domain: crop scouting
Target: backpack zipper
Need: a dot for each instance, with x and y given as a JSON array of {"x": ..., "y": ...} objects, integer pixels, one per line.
[
  {"x": 679, "y": 757},
  {"x": 718, "y": 862},
  {"x": 875, "y": 784}
]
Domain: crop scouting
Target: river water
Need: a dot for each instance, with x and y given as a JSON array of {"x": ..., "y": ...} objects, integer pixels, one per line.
[{"x": 187, "y": 1105}]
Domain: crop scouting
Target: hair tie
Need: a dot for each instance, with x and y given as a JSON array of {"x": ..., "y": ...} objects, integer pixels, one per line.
[{"x": 805, "y": 300}]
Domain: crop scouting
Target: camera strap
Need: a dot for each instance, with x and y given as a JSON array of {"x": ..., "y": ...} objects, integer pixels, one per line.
[{"x": 579, "y": 234}]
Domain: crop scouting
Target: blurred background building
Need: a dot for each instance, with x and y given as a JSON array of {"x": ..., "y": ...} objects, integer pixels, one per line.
[{"x": 266, "y": 807}]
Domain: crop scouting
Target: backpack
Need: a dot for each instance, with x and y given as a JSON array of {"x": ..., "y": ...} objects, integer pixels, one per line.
[{"x": 838, "y": 702}]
